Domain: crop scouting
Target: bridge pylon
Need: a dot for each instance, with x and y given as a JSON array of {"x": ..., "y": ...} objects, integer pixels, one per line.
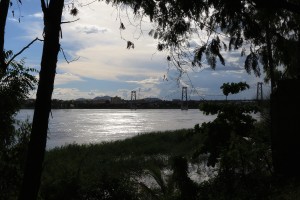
[
  {"x": 259, "y": 92},
  {"x": 133, "y": 100},
  {"x": 184, "y": 101}
]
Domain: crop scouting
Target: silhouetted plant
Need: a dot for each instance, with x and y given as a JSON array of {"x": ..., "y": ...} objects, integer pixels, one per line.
[
  {"x": 15, "y": 85},
  {"x": 233, "y": 88},
  {"x": 176, "y": 185},
  {"x": 240, "y": 149}
]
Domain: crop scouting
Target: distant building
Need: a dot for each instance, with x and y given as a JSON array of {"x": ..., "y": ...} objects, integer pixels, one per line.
[
  {"x": 151, "y": 99},
  {"x": 176, "y": 100},
  {"x": 116, "y": 100}
]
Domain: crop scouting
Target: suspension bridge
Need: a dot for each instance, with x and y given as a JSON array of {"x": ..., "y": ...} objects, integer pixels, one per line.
[{"x": 185, "y": 95}]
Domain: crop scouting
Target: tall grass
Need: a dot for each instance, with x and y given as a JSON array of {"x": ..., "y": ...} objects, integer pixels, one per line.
[{"x": 76, "y": 170}]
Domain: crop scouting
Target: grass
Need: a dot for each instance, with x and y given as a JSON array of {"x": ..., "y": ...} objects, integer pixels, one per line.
[
  {"x": 80, "y": 168},
  {"x": 112, "y": 170}
]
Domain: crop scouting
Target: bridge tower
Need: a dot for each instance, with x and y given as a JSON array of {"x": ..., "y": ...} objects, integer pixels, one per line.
[
  {"x": 184, "y": 102},
  {"x": 259, "y": 93},
  {"x": 133, "y": 100}
]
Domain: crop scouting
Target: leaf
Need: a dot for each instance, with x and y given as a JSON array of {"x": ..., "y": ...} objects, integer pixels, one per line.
[
  {"x": 155, "y": 35},
  {"x": 221, "y": 59},
  {"x": 251, "y": 63},
  {"x": 160, "y": 47},
  {"x": 122, "y": 26},
  {"x": 243, "y": 52},
  {"x": 74, "y": 11},
  {"x": 224, "y": 46},
  {"x": 231, "y": 42},
  {"x": 198, "y": 55},
  {"x": 130, "y": 45},
  {"x": 151, "y": 32}
]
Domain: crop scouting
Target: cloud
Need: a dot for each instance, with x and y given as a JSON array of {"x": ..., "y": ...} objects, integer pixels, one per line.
[
  {"x": 64, "y": 78},
  {"x": 38, "y": 15},
  {"x": 149, "y": 81},
  {"x": 88, "y": 29},
  {"x": 12, "y": 19},
  {"x": 108, "y": 62},
  {"x": 74, "y": 93}
]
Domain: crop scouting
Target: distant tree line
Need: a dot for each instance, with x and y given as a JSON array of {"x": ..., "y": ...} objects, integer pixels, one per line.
[{"x": 125, "y": 104}]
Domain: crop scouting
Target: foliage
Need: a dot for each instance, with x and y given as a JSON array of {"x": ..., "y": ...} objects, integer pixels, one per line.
[
  {"x": 15, "y": 85},
  {"x": 237, "y": 145},
  {"x": 12, "y": 160},
  {"x": 78, "y": 171},
  {"x": 253, "y": 22},
  {"x": 234, "y": 123},
  {"x": 240, "y": 149},
  {"x": 14, "y": 90},
  {"x": 176, "y": 185},
  {"x": 94, "y": 168},
  {"x": 234, "y": 88}
]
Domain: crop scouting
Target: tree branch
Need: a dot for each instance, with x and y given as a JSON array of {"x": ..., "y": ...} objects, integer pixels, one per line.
[
  {"x": 26, "y": 47},
  {"x": 62, "y": 50},
  {"x": 88, "y": 3},
  {"x": 70, "y": 21},
  {"x": 278, "y": 4}
]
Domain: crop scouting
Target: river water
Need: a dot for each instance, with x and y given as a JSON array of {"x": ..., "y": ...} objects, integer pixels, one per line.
[{"x": 97, "y": 125}]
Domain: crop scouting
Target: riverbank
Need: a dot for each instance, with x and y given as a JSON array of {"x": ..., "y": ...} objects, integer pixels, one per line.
[
  {"x": 91, "y": 169},
  {"x": 158, "y": 165}
]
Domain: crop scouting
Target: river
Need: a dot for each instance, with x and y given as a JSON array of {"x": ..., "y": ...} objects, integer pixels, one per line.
[{"x": 97, "y": 125}]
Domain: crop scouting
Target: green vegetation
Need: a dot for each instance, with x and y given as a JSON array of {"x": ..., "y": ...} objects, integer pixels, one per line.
[
  {"x": 15, "y": 85},
  {"x": 92, "y": 170},
  {"x": 122, "y": 169}
]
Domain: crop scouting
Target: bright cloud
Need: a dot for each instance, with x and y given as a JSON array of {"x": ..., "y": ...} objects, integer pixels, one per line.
[
  {"x": 149, "y": 81},
  {"x": 66, "y": 78},
  {"x": 88, "y": 29},
  {"x": 38, "y": 15}
]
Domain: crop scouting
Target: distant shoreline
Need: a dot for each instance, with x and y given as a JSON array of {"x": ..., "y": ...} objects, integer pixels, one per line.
[{"x": 138, "y": 104}]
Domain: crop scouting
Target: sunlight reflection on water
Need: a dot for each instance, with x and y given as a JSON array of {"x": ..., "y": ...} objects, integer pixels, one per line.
[{"x": 98, "y": 125}]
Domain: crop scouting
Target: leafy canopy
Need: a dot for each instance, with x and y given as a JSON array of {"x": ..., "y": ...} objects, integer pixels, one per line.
[{"x": 247, "y": 22}]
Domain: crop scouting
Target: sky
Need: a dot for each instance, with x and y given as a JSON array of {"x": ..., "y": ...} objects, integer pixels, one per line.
[{"x": 102, "y": 65}]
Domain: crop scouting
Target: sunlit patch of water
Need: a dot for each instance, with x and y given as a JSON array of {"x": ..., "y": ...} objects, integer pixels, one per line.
[{"x": 98, "y": 125}]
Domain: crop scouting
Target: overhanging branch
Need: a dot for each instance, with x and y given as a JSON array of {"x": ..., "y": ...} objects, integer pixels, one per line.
[
  {"x": 70, "y": 21},
  {"x": 62, "y": 50},
  {"x": 26, "y": 47}
]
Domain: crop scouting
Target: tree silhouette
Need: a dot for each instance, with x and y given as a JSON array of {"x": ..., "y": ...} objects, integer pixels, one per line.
[
  {"x": 233, "y": 88},
  {"x": 4, "y": 5},
  {"x": 271, "y": 31},
  {"x": 52, "y": 32}
]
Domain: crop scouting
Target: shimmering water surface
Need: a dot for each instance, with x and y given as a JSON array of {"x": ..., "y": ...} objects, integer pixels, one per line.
[{"x": 97, "y": 125}]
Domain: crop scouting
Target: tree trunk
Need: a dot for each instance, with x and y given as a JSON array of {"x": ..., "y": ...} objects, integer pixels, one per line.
[
  {"x": 285, "y": 123},
  {"x": 4, "y": 5},
  {"x": 38, "y": 137},
  {"x": 285, "y": 130}
]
